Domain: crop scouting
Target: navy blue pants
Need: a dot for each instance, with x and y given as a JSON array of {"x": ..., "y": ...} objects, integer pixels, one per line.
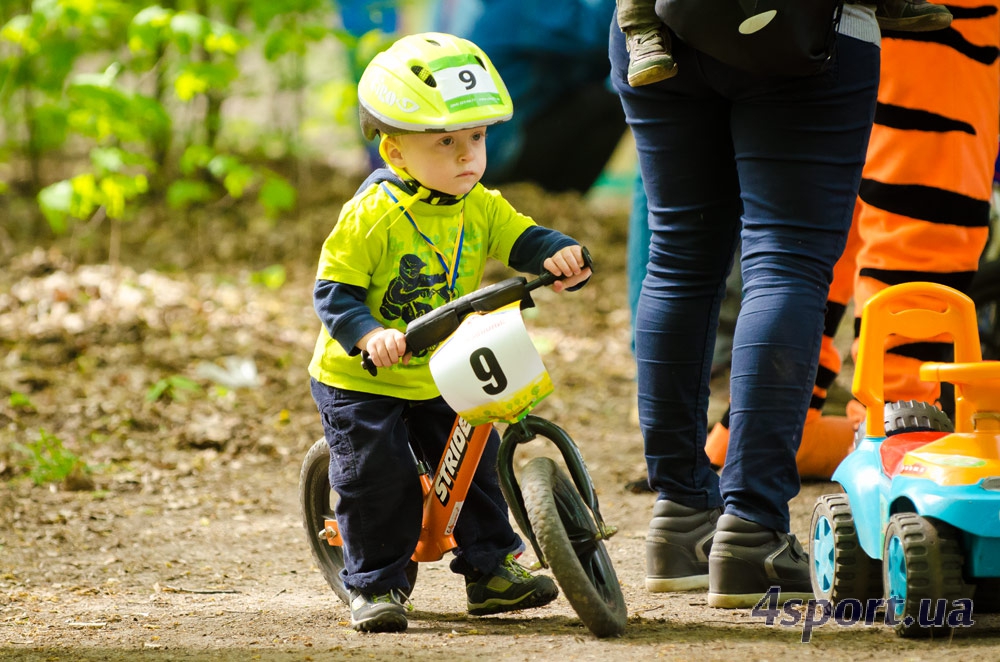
[
  {"x": 725, "y": 154},
  {"x": 374, "y": 474}
]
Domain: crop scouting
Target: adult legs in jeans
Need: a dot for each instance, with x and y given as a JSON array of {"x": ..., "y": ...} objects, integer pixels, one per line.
[{"x": 716, "y": 144}]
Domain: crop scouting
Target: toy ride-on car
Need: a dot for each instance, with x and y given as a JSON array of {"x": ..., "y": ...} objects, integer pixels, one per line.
[{"x": 921, "y": 495}]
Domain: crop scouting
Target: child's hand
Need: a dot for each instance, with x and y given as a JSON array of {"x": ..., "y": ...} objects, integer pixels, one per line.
[
  {"x": 567, "y": 262},
  {"x": 385, "y": 347}
]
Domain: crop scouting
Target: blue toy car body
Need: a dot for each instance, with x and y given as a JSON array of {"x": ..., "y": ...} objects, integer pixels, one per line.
[{"x": 919, "y": 520}]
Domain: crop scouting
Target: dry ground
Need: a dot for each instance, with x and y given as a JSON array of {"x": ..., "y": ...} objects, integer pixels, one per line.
[{"x": 182, "y": 538}]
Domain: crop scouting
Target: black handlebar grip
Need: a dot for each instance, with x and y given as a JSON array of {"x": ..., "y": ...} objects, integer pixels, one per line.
[{"x": 367, "y": 363}]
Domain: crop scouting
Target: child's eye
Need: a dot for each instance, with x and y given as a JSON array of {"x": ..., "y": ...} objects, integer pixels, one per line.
[
  {"x": 479, "y": 135},
  {"x": 447, "y": 141}
]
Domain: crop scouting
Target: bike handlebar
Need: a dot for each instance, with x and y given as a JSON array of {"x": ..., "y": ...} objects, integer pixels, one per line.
[{"x": 433, "y": 327}]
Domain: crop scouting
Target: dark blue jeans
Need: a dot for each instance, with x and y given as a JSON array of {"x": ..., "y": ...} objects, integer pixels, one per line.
[
  {"x": 725, "y": 154},
  {"x": 374, "y": 474}
]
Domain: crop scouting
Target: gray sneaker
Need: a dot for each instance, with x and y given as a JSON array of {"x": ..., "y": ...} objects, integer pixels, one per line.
[
  {"x": 748, "y": 559},
  {"x": 912, "y": 15},
  {"x": 649, "y": 57},
  {"x": 378, "y": 613},
  {"x": 677, "y": 547}
]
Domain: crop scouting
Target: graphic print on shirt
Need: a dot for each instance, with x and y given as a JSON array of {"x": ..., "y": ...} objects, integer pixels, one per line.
[{"x": 408, "y": 294}]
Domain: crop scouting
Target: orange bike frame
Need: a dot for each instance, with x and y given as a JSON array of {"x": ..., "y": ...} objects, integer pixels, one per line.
[{"x": 445, "y": 494}]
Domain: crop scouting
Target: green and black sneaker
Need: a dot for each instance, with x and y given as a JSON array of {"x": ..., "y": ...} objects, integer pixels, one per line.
[{"x": 508, "y": 588}]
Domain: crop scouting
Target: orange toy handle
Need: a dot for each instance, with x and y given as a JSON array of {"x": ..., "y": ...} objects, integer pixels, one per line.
[
  {"x": 977, "y": 388},
  {"x": 917, "y": 310},
  {"x": 443, "y": 503}
]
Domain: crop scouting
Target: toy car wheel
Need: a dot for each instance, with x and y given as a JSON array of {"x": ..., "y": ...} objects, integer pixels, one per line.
[
  {"x": 915, "y": 416},
  {"x": 839, "y": 568},
  {"x": 921, "y": 562}
]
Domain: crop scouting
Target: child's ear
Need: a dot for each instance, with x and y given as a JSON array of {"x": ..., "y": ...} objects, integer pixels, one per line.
[{"x": 392, "y": 152}]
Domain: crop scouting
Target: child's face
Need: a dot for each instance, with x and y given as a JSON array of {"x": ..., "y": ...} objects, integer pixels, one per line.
[{"x": 450, "y": 162}]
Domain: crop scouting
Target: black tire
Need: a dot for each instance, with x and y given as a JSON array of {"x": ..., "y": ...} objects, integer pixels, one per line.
[
  {"x": 921, "y": 560},
  {"x": 838, "y": 567},
  {"x": 915, "y": 416},
  {"x": 567, "y": 536},
  {"x": 317, "y": 501}
]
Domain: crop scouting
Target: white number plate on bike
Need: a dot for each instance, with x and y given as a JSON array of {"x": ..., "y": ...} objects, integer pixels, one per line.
[{"x": 489, "y": 370}]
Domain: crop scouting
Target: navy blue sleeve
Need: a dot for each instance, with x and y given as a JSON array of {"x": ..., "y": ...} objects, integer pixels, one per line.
[
  {"x": 533, "y": 246},
  {"x": 343, "y": 312}
]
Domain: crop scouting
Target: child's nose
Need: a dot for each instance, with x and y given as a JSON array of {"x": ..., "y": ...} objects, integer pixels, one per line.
[{"x": 466, "y": 150}]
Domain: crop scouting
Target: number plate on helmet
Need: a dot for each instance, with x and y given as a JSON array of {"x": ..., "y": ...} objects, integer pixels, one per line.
[
  {"x": 464, "y": 83},
  {"x": 489, "y": 370}
]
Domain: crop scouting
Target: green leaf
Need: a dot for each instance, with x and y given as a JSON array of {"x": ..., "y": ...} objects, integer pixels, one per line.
[
  {"x": 277, "y": 195},
  {"x": 108, "y": 159},
  {"x": 281, "y": 42},
  {"x": 238, "y": 179},
  {"x": 20, "y": 401},
  {"x": 175, "y": 387},
  {"x": 23, "y": 30},
  {"x": 146, "y": 31},
  {"x": 222, "y": 164},
  {"x": 55, "y": 201},
  {"x": 188, "y": 29},
  {"x": 51, "y": 126},
  {"x": 157, "y": 390},
  {"x": 48, "y": 460},
  {"x": 183, "y": 193},
  {"x": 225, "y": 39},
  {"x": 196, "y": 157}
]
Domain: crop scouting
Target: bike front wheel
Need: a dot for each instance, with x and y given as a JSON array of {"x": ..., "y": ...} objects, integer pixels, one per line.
[{"x": 569, "y": 540}]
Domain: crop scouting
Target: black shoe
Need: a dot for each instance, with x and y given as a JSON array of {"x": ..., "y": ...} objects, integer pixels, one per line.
[
  {"x": 911, "y": 15},
  {"x": 378, "y": 613},
  {"x": 508, "y": 588},
  {"x": 748, "y": 559},
  {"x": 677, "y": 547}
]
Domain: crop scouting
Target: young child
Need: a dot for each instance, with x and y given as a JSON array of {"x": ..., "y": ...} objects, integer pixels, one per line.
[
  {"x": 416, "y": 235},
  {"x": 649, "y": 49}
]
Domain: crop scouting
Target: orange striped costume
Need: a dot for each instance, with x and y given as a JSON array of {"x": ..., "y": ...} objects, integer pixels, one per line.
[{"x": 925, "y": 195}]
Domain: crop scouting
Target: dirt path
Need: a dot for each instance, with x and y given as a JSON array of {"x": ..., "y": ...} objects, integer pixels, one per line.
[{"x": 190, "y": 547}]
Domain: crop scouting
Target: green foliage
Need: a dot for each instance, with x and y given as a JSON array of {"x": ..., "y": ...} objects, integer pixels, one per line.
[
  {"x": 141, "y": 86},
  {"x": 175, "y": 388},
  {"x": 19, "y": 400},
  {"x": 48, "y": 461}
]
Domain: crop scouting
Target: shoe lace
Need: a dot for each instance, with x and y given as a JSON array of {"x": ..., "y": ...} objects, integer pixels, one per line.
[
  {"x": 515, "y": 568},
  {"x": 648, "y": 40},
  {"x": 394, "y": 596}
]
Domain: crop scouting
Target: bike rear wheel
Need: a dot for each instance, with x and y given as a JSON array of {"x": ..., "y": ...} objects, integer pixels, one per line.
[
  {"x": 568, "y": 538},
  {"x": 317, "y": 501}
]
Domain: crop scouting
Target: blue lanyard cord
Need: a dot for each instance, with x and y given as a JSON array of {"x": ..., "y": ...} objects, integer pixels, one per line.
[{"x": 450, "y": 266}]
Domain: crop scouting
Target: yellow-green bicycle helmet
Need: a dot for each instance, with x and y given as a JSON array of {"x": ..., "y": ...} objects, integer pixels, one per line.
[{"x": 431, "y": 82}]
